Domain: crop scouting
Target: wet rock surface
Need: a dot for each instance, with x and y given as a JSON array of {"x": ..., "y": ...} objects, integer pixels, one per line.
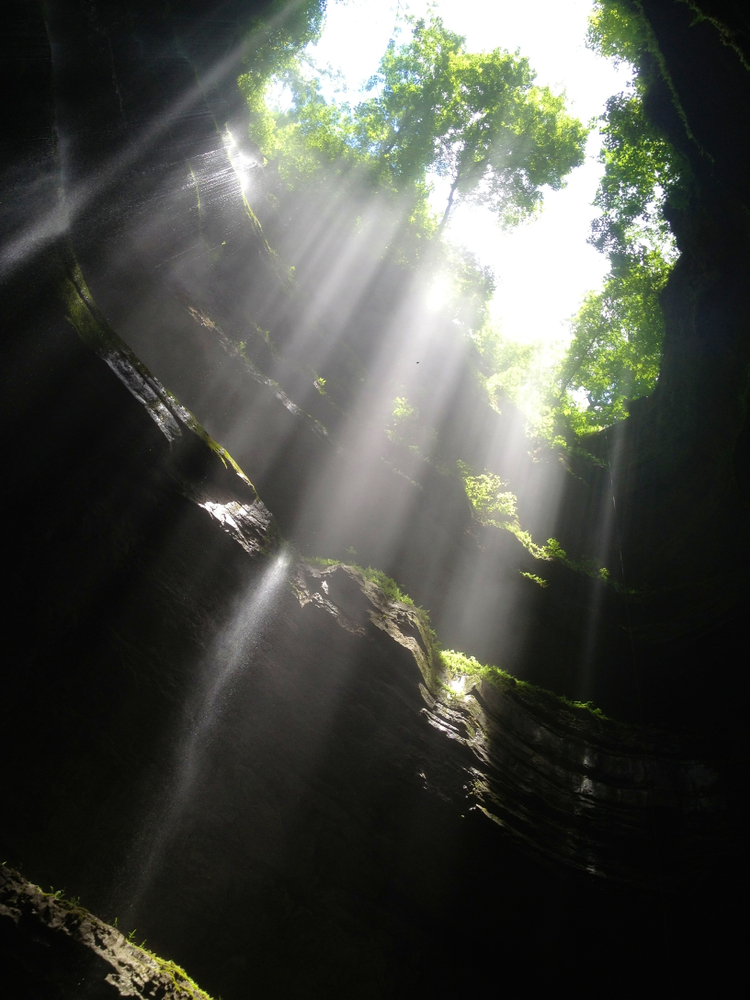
[
  {"x": 568, "y": 787},
  {"x": 247, "y": 757},
  {"x": 639, "y": 805},
  {"x": 50, "y": 949},
  {"x": 312, "y": 790}
]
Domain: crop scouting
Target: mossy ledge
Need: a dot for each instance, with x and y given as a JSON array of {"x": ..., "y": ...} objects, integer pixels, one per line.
[
  {"x": 536, "y": 698},
  {"x": 58, "y": 938},
  {"x": 448, "y": 666},
  {"x": 221, "y": 488},
  {"x": 94, "y": 330}
]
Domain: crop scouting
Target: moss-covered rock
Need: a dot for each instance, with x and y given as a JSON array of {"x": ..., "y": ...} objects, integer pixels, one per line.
[{"x": 53, "y": 948}]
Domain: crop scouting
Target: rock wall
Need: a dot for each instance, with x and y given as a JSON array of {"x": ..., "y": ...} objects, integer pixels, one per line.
[
  {"x": 251, "y": 759},
  {"x": 52, "y": 948}
]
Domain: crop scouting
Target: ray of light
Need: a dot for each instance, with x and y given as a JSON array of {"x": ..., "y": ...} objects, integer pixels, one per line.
[
  {"x": 78, "y": 196},
  {"x": 339, "y": 270}
]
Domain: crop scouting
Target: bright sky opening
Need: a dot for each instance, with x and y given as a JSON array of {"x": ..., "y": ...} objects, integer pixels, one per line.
[{"x": 543, "y": 268}]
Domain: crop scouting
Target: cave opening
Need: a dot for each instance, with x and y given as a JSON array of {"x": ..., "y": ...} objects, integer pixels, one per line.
[{"x": 346, "y": 619}]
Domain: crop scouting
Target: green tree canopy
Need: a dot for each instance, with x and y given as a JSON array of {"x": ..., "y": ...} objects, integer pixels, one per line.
[
  {"x": 616, "y": 349},
  {"x": 273, "y": 42},
  {"x": 615, "y": 353},
  {"x": 477, "y": 119},
  {"x": 641, "y": 171}
]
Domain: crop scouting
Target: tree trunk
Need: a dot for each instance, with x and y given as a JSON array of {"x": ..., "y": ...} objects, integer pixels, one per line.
[{"x": 448, "y": 207}]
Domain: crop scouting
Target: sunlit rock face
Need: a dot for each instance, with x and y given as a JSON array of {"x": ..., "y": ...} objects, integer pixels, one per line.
[
  {"x": 559, "y": 781},
  {"x": 257, "y": 758},
  {"x": 155, "y": 216},
  {"x": 251, "y": 759}
]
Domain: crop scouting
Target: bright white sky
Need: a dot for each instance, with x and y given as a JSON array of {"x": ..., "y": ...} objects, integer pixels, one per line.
[{"x": 544, "y": 268}]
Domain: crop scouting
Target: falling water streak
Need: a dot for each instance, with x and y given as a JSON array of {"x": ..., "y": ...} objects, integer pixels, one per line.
[{"x": 232, "y": 651}]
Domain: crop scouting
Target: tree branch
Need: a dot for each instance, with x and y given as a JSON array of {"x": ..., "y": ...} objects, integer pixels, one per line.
[{"x": 448, "y": 207}]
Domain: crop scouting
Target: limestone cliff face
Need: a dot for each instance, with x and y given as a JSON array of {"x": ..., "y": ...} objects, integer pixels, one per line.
[
  {"x": 254, "y": 760},
  {"x": 679, "y": 463},
  {"x": 251, "y": 755},
  {"x": 558, "y": 781},
  {"x": 152, "y": 208},
  {"x": 51, "y": 948}
]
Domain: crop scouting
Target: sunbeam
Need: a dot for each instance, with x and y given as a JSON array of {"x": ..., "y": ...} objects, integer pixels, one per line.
[{"x": 375, "y": 379}]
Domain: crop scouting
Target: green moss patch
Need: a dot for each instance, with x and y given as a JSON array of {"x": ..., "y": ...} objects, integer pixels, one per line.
[
  {"x": 458, "y": 664},
  {"x": 389, "y": 586}
]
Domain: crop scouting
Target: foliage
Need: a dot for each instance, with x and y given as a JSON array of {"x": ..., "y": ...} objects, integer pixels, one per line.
[
  {"x": 402, "y": 409},
  {"x": 311, "y": 147},
  {"x": 641, "y": 170},
  {"x": 432, "y": 108},
  {"x": 615, "y": 32},
  {"x": 477, "y": 119},
  {"x": 274, "y": 38},
  {"x": 615, "y": 352},
  {"x": 404, "y": 425},
  {"x": 495, "y": 505},
  {"x": 470, "y": 284},
  {"x": 474, "y": 118},
  {"x": 487, "y": 493},
  {"x": 524, "y": 374},
  {"x": 312, "y": 136},
  {"x": 553, "y": 551},
  {"x": 389, "y": 586},
  {"x": 459, "y": 663},
  {"x": 504, "y": 364}
]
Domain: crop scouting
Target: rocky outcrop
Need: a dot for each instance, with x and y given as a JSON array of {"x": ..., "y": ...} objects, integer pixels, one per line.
[
  {"x": 557, "y": 780},
  {"x": 51, "y": 948}
]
